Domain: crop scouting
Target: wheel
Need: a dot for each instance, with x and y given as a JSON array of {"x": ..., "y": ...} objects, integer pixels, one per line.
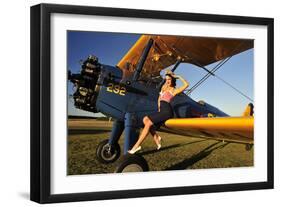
[
  {"x": 132, "y": 163},
  {"x": 106, "y": 153}
]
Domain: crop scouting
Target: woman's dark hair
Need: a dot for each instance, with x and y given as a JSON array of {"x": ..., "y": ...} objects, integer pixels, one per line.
[{"x": 174, "y": 80}]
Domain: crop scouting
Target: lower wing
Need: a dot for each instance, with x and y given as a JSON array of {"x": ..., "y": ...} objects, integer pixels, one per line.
[{"x": 235, "y": 129}]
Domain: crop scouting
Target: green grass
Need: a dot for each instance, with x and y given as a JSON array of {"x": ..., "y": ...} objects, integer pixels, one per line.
[{"x": 177, "y": 153}]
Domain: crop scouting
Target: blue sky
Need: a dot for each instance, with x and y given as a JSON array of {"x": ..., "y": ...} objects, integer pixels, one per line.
[{"x": 111, "y": 47}]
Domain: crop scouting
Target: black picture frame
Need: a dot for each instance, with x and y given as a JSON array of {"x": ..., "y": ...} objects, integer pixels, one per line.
[{"x": 40, "y": 184}]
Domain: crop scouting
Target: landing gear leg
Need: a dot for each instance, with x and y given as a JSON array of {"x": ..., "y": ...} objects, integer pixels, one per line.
[
  {"x": 135, "y": 162},
  {"x": 131, "y": 133}
]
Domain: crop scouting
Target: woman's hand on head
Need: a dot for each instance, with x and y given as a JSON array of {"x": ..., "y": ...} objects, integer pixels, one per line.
[
  {"x": 168, "y": 72},
  {"x": 174, "y": 75}
]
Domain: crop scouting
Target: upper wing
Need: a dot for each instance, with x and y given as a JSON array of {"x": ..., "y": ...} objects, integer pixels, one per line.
[
  {"x": 167, "y": 49},
  {"x": 237, "y": 129}
]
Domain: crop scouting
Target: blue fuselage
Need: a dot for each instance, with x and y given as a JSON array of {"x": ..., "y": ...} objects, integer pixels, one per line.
[{"x": 117, "y": 97}]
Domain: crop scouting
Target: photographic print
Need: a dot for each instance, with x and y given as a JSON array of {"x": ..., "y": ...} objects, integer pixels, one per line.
[
  {"x": 132, "y": 103},
  {"x": 150, "y": 102}
]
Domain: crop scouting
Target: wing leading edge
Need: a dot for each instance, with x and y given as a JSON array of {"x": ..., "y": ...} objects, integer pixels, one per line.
[
  {"x": 166, "y": 50},
  {"x": 237, "y": 129}
]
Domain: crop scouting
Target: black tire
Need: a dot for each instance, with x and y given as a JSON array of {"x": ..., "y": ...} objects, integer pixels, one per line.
[
  {"x": 107, "y": 154},
  {"x": 132, "y": 163}
]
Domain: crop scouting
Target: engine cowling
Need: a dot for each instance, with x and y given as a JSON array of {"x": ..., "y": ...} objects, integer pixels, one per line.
[{"x": 85, "y": 83}]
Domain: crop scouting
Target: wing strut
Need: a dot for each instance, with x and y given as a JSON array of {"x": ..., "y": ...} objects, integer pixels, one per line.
[{"x": 142, "y": 60}]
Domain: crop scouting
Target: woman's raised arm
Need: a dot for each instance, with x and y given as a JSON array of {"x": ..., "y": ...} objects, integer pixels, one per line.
[{"x": 182, "y": 88}]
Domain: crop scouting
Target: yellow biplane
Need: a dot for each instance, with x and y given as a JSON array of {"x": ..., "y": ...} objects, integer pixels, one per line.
[{"x": 129, "y": 91}]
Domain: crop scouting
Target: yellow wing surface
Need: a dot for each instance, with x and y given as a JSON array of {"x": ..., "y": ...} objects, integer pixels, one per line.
[
  {"x": 236, "y": 129},
  {"x": 166, "y": 50}
]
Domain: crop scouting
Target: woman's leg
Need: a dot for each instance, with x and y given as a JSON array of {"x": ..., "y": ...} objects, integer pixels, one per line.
[
  {"x": 155, "y": 136},
  {"x": 147, "y": 124}
]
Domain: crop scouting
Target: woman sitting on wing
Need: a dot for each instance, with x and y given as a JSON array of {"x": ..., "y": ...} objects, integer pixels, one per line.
[{"x": 165, "y": 111}]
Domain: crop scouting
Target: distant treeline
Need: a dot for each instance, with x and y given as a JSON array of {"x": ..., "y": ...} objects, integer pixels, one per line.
[
  {"x": 81, "y": 117},
  {"x": 102, "y": 118}
]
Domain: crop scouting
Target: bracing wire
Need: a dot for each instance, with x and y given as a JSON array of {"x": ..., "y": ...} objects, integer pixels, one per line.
[
  {"x": 235, "y": 89},
  {"x": 212, "y": 73},
  {"x": 205, "y": 77},
  {"x": 209, "y": 73}
]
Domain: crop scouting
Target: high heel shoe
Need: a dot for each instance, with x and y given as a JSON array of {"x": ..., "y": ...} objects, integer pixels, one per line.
[
  {"x": 159, "y": 144},
  {"x": 134, "y": 151}
]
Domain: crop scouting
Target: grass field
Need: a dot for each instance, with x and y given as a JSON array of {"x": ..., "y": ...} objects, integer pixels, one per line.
[{"x": 177, "y": 152}]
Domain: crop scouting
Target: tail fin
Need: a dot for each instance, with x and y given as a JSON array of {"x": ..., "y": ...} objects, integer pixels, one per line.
[{"x": 249, "y": 111}]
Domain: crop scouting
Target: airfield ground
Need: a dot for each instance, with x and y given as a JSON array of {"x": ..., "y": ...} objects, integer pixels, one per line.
[{"x": 177, "y": 152}]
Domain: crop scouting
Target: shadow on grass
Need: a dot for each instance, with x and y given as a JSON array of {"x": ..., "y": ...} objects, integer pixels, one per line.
[
  {"x": 87, "y": 131},
  {"x": 171, "y": 147},
  {"x": 195, "y": 158}
]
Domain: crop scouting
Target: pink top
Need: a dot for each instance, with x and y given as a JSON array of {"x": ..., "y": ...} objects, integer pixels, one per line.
[{"x": 166, "y": 96}]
